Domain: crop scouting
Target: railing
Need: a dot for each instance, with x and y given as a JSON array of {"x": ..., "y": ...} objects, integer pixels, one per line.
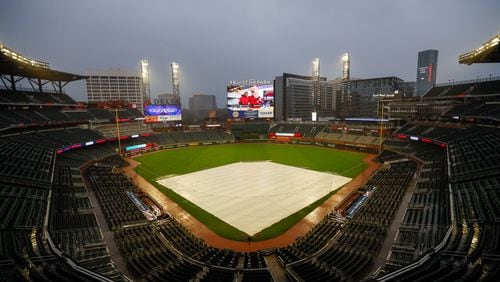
[{"x": 483, "y": 79}]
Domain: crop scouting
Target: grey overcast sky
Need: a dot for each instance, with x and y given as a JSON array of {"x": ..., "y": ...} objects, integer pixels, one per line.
[{"x": 220, "y": 40}]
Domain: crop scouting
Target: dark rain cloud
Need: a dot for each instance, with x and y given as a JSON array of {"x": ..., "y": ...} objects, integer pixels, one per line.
[{"x": 217, "y": 41}]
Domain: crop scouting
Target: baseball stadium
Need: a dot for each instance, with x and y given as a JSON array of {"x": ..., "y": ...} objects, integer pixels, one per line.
[{"x": 108, "y": 192}]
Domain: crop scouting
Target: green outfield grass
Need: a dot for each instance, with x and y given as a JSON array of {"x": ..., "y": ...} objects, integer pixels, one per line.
[{"x": 186, "y": 160}]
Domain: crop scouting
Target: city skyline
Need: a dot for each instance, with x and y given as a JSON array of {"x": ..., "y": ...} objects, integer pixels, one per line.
[{"x": 221, "y": 41}]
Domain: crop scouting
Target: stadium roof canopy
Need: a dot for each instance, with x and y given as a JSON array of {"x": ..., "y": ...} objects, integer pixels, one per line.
[
  {"x": 15, "y": 64},
  {"x": 489, "y": 52}
]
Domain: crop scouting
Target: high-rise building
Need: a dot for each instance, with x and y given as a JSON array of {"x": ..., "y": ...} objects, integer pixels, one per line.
[
  {"x": 293, "y": 100},
  {"x": 114, "y": 85},
  {"x": 176, "y": 82},
  {"x": 426, "y": 71},
  {"x": 200, "y": 105}
]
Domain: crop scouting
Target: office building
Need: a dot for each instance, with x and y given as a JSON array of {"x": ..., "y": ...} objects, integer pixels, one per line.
[
  {"x": 114, "y": 85},
  {"x": 294, "y": 102},
  {"x": 365, "y": 94},
  {"x": 426, "y": 71},
  {"x": 200, "y": 105}
]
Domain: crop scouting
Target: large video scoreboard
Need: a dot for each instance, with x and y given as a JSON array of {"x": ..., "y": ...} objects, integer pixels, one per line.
[
  {"x": 250, "y": 99},
  {"x": 161, "y": 113}
]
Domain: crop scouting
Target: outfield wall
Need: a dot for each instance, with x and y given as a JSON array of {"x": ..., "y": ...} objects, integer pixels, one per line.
[
  {"x": 174, "y": 146},
  {"x": 295, "y": 141}
]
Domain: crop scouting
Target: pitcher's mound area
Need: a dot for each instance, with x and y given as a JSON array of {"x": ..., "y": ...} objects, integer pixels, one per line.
[{"x": 253, "y": 195}]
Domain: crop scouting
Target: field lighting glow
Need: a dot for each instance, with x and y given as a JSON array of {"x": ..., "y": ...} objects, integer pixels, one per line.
[
  {"x": 315, "y": 66},
  {"x": 345, "y": 57}
]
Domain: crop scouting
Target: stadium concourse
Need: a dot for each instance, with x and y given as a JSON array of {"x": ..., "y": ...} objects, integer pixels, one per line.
[{"x": 298, "y": 230}]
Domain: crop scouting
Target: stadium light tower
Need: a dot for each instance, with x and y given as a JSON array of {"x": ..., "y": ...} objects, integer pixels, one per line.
[
  {"x": 346, "y": 66},
  {"x": 176, "y": 87},
  {"x": 315, "y": 70},
  {"x": 345, "y": 96},
  {"x": 146, "y": 92},
  {"x": 315, "y": 95}
]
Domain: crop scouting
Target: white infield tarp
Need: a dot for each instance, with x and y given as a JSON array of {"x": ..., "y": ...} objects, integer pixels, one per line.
[{"x": 253, "y": 195}]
